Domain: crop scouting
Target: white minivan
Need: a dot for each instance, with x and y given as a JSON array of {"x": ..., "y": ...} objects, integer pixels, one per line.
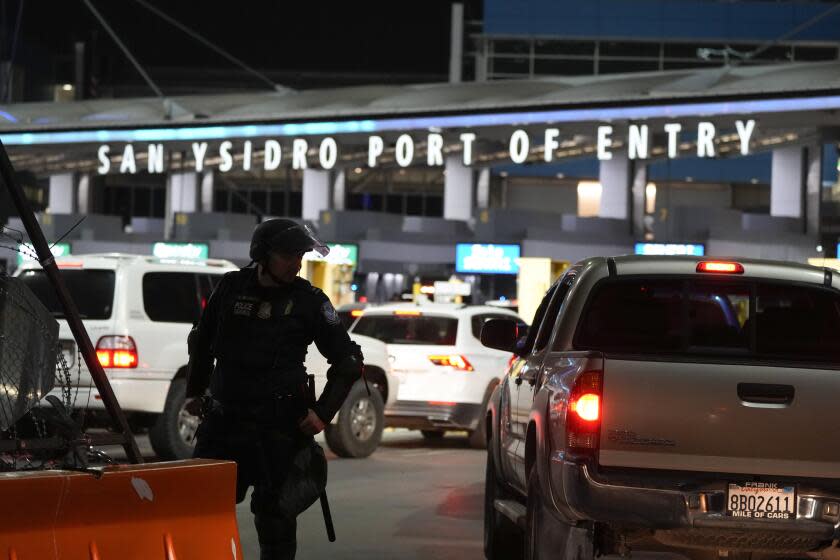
[
  {"x": 138, "y": 311},
  {"x": 445, "y": 374}
]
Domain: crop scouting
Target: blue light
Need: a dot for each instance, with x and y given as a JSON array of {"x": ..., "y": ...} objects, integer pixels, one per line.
[
  {"x": 8, "y": 116},
  {"x": 692, "y": 249},
  {"x": 477, "y": 258},
  {"x": 412, "y": 123},
  {"x": 502, "y": 298},
  {"x": 354, "y": 287}
]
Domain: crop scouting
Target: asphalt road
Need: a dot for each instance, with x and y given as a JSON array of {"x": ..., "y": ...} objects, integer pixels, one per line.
[{"x": 412, "y": 499}]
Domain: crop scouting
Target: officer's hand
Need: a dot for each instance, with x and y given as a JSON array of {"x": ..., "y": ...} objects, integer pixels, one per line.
[
  {"x": 193, "y": 405},
  {"x": 311, "y": 424}
]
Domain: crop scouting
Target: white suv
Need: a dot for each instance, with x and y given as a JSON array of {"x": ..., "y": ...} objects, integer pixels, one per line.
[
  {"x": 445, "y": 374},
  {"x": 138, "y": 311}
]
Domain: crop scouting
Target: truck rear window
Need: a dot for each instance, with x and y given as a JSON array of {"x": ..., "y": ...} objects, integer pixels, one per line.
[
  {"x": 751, "y": 319},
  {"x": 91, "y": 290},
  {"x": 395, "y": 329}
]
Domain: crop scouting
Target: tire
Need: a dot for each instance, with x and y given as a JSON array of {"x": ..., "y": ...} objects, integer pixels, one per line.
[
  {"x": 358, "y": 431},
  {"x": 432, "y": 435},
  {"x": 173, "y": 434},
  {"x": 502, "y": 538},
  {"x": 478, "y": 437},
  {"x": 545, "y": 534},
  {"x": 535, "y": 519}
]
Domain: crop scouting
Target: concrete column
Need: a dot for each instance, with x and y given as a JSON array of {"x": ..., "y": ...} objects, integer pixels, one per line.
[
  {"x": 457, "y": 190},
  {"x": 640, "y": 181},
  {"x": 482, "y": 189},
  {"x": 62, "y": 194},
  {"x": 181, "y": 196},
  {"x": 207, "y": 190},
  {"x": 615, "y": 177},
  {"x": 83, "y": 194},
  {"x": 456, "y": 42},
  {"x": 339, "y": 193},
  {"x": 316, "y": 193},
  {"x": 813, "y": 190},
  {"x": 787, "y": 182}
]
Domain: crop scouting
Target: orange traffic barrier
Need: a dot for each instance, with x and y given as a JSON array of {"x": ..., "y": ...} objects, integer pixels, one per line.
[{"x": 180, "y": 510}]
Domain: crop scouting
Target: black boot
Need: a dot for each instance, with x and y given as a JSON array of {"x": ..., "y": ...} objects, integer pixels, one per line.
[{"x": 277, "y": 536}]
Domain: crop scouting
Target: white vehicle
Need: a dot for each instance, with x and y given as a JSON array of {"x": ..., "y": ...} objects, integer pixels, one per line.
[
  {"x": 445, "y": 374},
  {"x": 138, "y": 311}
]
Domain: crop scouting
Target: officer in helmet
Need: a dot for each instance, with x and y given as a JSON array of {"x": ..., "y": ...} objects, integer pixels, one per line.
[{"x": 256, "y": 327}]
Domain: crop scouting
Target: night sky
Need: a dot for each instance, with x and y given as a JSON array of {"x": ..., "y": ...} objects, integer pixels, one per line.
[{"x": 367, "y": 37}]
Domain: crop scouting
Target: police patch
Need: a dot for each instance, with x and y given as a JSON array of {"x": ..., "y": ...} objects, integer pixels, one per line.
[
  {"x": 330, "y": 314},
  {"x": 264, "y": 312}
]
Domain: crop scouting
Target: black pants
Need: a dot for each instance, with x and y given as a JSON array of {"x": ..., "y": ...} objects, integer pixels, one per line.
[{"x": 263, "y": 453}]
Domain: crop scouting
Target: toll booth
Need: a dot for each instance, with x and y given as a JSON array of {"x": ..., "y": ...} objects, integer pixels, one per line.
[
  {"x": 336, "y": 280},
  {"x": 536, "y": 275},
  {"x": 334, "y": 273}
]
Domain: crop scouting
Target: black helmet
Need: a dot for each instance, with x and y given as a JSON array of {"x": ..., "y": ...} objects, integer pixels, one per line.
[{"x": 284, "y": 236}]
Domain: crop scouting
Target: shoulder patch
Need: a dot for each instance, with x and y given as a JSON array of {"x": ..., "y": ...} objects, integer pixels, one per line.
[{"x": 329, "y": 313}]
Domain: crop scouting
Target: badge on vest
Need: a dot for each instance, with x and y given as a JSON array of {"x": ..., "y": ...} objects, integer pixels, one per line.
[
  {"x": 330, "y": 314},
  {"x": 244, "y": 308},
  {"x": 264, "y": 311}
]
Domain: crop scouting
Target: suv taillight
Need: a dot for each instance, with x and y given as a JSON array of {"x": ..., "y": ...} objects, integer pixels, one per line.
[
  {"x": 117, "y": 352},
  {"x": 583, "y": 416},
  {"x": 455, "y": 361}
]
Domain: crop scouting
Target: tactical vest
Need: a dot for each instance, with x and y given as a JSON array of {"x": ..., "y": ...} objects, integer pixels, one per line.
[{"x": 262, "y": 329}]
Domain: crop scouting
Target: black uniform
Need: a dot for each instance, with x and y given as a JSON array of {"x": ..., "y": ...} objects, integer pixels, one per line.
[{"x": 258, "y": 337}]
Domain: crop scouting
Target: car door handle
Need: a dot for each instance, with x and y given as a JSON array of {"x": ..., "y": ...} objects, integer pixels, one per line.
[{"x": 772, "y": 395}]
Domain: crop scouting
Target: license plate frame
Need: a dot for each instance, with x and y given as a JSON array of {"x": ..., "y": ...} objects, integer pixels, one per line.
[{"x": 761, "y": 500}]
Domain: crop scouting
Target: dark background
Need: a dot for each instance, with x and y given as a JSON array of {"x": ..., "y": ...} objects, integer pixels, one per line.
[{"x": 314, "y": 44}]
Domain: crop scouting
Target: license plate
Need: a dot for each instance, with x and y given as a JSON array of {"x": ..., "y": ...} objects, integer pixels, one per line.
[
  {"x": 68, "y": 350},
  {"x": 761, "y": 500}
]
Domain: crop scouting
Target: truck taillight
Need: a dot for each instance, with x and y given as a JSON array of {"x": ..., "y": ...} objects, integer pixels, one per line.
[
  {"x": 583, "y": 417},
  {"x": 117, "y": 352}
]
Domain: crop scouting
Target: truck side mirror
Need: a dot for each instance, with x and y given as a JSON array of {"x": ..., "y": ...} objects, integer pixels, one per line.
[{"x": 500, "y": 334}]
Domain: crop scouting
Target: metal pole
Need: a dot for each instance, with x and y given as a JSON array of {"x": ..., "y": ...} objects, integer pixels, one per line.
[{"x": 33, "y": 229}]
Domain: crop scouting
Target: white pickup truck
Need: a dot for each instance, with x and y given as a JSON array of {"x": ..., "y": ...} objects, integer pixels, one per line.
[
  {"x": 674, "y": 404},
  {"x": 138, "y": 311}
]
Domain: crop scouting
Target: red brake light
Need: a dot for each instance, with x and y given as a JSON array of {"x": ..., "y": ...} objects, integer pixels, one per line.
[
  {"x": 117, "y": 352},
  {"x": 583, "y": 418},
  {"x": 720, "y": 267},
  {"x": 455, "y": 361},
  {"x": 588, "y": 407}
]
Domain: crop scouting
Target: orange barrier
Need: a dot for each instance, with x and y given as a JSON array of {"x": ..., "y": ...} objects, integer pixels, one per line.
[{"x": 179, "y": 510}]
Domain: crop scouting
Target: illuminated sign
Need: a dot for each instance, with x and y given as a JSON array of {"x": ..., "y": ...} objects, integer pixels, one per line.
[
  {"x": 181, "y": 250},
  {"x": 340, "y": 253},
  {"x": 475, "y": 258},
  {"x": 693, "y": 249},
  {"x": 638, "y": 142},
  {"x": 58, "y": 250}
]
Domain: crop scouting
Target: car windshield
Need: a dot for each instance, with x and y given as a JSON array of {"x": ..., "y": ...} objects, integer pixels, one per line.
[
  {"x": 91, "y": 290},
  {"x": 397, "y": 329}
]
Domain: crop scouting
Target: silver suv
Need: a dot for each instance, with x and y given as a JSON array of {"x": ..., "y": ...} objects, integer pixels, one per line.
[{"x": 670, "y": 403}]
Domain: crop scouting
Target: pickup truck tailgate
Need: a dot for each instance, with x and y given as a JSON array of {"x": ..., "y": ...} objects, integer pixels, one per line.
[{"x": 726, "y": 418}]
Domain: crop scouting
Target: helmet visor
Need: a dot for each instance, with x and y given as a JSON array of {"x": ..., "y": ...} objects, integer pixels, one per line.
[
  {"x": 298, "y": 239},
  {"x": 317, "y": 245}
]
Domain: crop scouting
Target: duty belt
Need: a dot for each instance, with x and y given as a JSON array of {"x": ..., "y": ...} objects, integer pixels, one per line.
[{"x": 282, "y": 408}]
